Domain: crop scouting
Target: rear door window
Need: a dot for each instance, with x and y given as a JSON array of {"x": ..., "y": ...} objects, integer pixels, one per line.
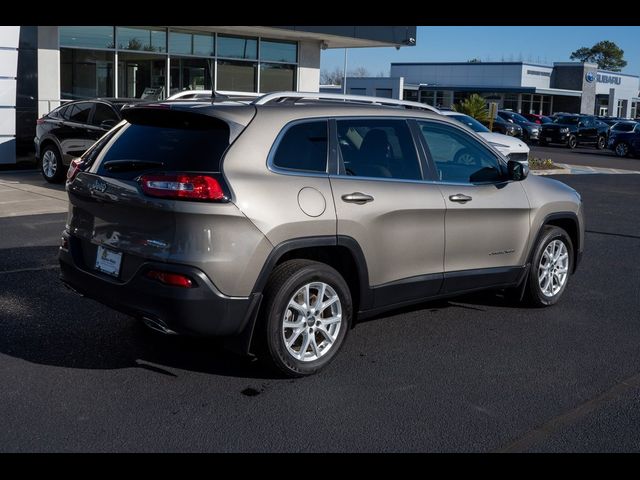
[
  {"x": 79, "y": 112},
  {"x": 378, "y": 148}
]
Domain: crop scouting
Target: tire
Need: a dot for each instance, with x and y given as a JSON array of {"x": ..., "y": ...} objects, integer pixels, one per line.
[
  {"x": 51, "y": 165},
  {"x": 286, "y": 285},
  {"x": 539, "y": 292},
  {"x": 572, "y": 142},
  {"x": 621, "y": 149},
  {"x": 601, "y": 143}
]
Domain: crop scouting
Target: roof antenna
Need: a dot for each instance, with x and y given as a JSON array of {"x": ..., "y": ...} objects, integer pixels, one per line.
[{"x": 218, "y": 97}]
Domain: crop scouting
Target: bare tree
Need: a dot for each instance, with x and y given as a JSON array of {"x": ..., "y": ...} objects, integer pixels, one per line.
[
  {"x": 331, "y": 77},
  {"x": 359, "y": 72}
]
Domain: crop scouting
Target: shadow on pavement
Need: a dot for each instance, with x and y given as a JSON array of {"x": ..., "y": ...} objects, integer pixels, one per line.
[{"x": 43, "y": 322}]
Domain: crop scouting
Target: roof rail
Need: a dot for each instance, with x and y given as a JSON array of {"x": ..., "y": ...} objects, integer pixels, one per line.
[{"x": 295, "y": 96}]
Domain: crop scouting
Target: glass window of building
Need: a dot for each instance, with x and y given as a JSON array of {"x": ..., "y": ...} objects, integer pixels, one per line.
[
  {"x": 237, "y": 47},
  {"x": 141, "y": 75},
  {"x": 85, "y": 73},
  {"x": 191, "y": 74},
  {"x": 273, "y": 51},
  {"x": 87, "y": 37},
  {"x": 276, "y": 77},
  {"x": 237, "y": 76},
  {"x": 510, "y": 102},
  {"x": 186, "y": 43},
  {"x": 411, "y": 95},
  {"x": 142, "y": 39}
]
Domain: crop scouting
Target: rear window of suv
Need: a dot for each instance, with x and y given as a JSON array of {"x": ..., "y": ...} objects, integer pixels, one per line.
[{"x": 186, "y": 144}]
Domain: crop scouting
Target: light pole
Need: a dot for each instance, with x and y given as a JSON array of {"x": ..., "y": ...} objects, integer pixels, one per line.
[{"x": 344, "y": 74}]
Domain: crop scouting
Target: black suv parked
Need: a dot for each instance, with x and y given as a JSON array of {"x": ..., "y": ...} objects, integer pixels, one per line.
[
  {"x": 530, "y": 130},
  {"x": 625, "y": 139},
  {"x": 574, "y": 130},
  {"x": 67, "y": 131},
  {"x": 500, "y": 125}
]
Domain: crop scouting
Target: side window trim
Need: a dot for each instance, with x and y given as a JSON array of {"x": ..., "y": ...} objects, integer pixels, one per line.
[
  {"x": 431, "y": 161},
  {"x": 271, "y": 166},
  {"x": 429, "y": 171}
]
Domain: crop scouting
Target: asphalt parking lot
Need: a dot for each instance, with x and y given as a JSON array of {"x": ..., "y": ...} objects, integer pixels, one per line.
[{"x": 472, "y": 374}]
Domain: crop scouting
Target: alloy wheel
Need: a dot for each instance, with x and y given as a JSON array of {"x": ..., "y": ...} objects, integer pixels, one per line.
[
  {"x": 49, "y": 163},
  {"x": 312, "y": 321},
  {"x": 553, "y": 268},
  {"x": 622, "y": 149}
]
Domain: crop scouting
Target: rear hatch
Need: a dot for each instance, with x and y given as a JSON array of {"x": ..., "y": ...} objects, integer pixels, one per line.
[{"x": 134, "y": 181}]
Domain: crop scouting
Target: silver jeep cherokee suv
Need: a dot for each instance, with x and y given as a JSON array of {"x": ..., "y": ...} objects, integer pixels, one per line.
[{"x": 279, "y": 222}]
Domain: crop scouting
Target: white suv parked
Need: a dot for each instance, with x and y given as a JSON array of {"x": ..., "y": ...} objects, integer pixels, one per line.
[{"x": 511, "y": 147}]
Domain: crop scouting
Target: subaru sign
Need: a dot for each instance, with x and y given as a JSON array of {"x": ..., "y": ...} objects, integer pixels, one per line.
[
  {"x": 590, "y": 77},
  {"x": 608, "y": 79}
]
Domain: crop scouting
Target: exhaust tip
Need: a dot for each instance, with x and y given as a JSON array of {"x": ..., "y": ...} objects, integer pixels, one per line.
[{"x": 158, "y": 326}]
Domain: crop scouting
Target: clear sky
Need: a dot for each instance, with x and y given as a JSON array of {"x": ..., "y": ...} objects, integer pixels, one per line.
[{"x": 458, "y": 44}]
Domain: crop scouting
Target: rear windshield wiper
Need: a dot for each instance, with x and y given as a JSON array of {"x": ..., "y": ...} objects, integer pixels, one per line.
[{"x": 131, "y": 165}]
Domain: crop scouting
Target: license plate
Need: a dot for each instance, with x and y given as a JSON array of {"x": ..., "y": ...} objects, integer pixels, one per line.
[
  {"x": 108, "y": 261},
  {"x": 548, "y": 139}
]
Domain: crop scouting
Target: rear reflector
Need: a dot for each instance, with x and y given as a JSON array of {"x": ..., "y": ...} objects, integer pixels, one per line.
[
  {"x": 168, "y": 278},
  {"x": 183, "y": 186},
  {"x": 74, "y": 168}
]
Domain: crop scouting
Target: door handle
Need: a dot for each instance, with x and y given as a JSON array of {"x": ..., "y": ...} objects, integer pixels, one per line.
[
  {"x": 460, "y": 198},
  {"x": 357, "y": 197}
]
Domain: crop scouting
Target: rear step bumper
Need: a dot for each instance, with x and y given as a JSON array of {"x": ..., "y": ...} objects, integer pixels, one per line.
[{"x": 201, "y": 310}]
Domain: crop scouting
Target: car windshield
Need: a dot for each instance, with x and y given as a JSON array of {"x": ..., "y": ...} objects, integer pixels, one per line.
[
  {"x": 470, "y": 122},
  {"x": 516, "y": 117},
  {"x": 567, "y": 120}
]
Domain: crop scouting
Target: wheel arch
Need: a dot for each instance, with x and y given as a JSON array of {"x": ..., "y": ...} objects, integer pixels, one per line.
[
  {"x": 340, "y": 252},
  {"x": 569, "y": 222}
]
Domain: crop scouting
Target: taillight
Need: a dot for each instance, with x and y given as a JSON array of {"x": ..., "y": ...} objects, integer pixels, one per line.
[
  {"x": 74, "y": 168},
  {"x": 183, "y": 186},
  {"x": 40, "y": 121},
  {"x": 168, "y": 278}
]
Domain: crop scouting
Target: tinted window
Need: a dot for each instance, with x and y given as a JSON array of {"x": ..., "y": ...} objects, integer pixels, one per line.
[
  {"x": 278, "y": 51},
  {"x": 378, "y": 148},
  {"x": 623, "y": 127},
  {"x": 303, "y": 147},
  {"x": 60, "y": 112},
  {"x": 567, "y": 120},
  {"x": 194, "y": 147},
  {"x": 237, "y": 47},
  {"x": 458, "y": 157},
  {"x": 104, "y": 113},
  {"x": 80, "y": 112}
]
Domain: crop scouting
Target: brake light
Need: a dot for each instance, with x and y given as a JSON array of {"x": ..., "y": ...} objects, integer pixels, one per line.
[
  {"x": 40, "y": 121},
  {"x": 74, "y": 168},
  {"x": 173, "y": 279},
  {"x": 183, "y": 186}
]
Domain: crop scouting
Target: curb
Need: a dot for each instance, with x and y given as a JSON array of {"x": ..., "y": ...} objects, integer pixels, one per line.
[{"x": 552, "y": 171}]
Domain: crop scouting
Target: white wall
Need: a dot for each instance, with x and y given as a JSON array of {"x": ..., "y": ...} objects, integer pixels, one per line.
[
  {"x": 533, "y": 80},
  {"x": 9, "y": 38},
  {"x": 309, "y": 66},
  {"x": 48, "y": 69}
]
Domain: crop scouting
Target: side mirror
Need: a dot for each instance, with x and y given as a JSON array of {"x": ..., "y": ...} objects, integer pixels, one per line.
[
  {"x": 108, "y": 124},
  {"x": 517, "y": 171}
]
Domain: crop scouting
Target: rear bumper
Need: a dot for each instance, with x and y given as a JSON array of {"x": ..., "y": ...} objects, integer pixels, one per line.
[{"x": 201, "y": 310}]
